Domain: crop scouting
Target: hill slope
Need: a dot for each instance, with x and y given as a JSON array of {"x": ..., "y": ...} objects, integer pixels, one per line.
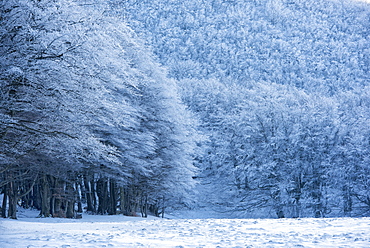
[{"x": 281, "y": 89}]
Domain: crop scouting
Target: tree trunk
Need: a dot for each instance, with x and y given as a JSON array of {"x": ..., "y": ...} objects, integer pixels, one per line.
[
  {"x": 347, "y": 201},
  {"x": 103, "y": 196},
  {"x": 58, "y": 198},
  {"x": 70, "y": 212},
  {"x": 94, "y": 195},
  {"x": 127, "y": 202},
  {"x": 57, "y": 210},
  {"x": 79, "y": 200},
  {"x": 163, "y": 207},
  {"x": 122, "y": 200},
  {"x": 36, "y": 197},
  {"x": 277, "y": 204},
  {"x": 5, "y": 202},
  {"x": 45, "y": 197},
  {"x": 297, "y": 193},
  {"x": 112, "y": 208},
  {"x": 70, "y": 208},
  {"x": 13, "y": 198},
  {"x": 296, "y": 208},
  {"x": 90, "y": 195},
  {"x": 144, "y": 206}
]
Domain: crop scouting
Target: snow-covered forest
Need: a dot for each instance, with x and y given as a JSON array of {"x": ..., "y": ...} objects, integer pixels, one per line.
[{"x": 252, "y": 108}]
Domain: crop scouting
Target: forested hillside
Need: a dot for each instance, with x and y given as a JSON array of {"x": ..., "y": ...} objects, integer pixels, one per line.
[
  {"x": 124, "y": 106},
  {"x": 281, "y": 88}
]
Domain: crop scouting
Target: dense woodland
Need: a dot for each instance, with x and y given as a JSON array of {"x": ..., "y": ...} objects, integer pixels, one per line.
[{"x": 254, "y": 108}]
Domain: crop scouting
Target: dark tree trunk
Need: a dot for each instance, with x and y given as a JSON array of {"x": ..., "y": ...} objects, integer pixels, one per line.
[
  {"x": 79, "y": 200},
  {"x": 297, "y": 193},
  {"x": 25, "y": 199},
  {"x": 45, "y": 197},
  {"x": 280, "y": 214},
  {"x": 112, "y": 208},
  {"x": 144, "y": 206},
  {"x": 36, "y": 196},
  {"x": 90, "y": 195},
  {"x": 13, "y": 198},
  {"x": 128, "y": 201},
  {"x": 70, "y": 212},
  {"x": 94, "y": 195},
  {"x": 347, "y": 201},
  {"x": 103, "y": 196},
  {"x": 70, "y": 208},
  {"x": 123, "y": 201},
  {"x": 154, "y": 209},
  {"x": 158, "y": 208},
  {"x": 163, "y": 207},
  {"x": 278, "y": 206},
  {"x": 5, "y": 202},
  {"x": 58, "y": 198}
]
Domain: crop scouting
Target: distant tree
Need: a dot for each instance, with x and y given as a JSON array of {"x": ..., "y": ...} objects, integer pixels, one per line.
[
  {"x": 286, "y": 42},
  {"x": 351, "y": 164},
  {"x": 271, "y": 147}
]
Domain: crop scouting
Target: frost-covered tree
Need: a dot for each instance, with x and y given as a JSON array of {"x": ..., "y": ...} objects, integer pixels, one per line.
[
  {"x": 44, "y": 99},
  {"x": 289, "y": 142},
  {"x": 277, "y": 151},
  {"x": 351, "y": 165},
  {"x": 75, "y": 108}
]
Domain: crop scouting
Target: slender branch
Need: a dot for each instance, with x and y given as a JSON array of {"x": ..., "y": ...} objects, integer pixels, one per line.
[
  {"x": 8, "y": 180},
  {"x": 18, "y": 127},
  {"x": 29, "y": 190},
  {"x": 50, "y": 56}
]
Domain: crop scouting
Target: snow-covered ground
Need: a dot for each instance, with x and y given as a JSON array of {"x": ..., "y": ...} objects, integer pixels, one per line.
[{"x": 120, "y": 231}]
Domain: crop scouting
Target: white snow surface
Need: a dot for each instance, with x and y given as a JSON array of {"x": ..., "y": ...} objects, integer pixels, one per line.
[{"x": 121, "y": 231}]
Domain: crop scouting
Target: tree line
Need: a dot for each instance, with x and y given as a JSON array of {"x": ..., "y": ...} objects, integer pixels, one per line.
[
  {"x": 276, "y": 151},
  {"x": 88, "y": 118}
]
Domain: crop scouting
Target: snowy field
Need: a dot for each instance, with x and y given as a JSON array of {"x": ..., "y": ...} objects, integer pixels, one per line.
[{"x": 120, "y": 231}]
